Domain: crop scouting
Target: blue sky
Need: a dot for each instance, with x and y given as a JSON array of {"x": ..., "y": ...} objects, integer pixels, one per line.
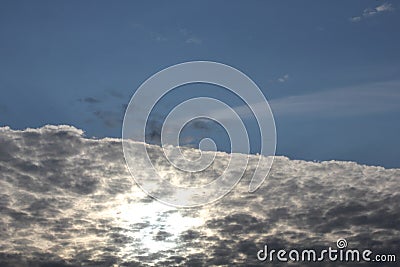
[{"x": 330, "y": 69}]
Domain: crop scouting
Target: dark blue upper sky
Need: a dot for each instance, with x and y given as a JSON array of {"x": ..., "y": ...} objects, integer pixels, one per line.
[{"x": 330, "y": 69}]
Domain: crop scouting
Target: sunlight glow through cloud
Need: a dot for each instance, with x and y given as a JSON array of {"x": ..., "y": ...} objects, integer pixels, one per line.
[{"x": 67, "y": 199}]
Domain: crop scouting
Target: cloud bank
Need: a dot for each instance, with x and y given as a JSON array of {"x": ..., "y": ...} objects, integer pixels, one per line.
[{"x": 67, "y": 200}]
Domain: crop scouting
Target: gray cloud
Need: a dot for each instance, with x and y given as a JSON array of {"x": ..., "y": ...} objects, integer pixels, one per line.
[
  {"x": 103, "y": 110},
  {"x": 116, "y": 94},
  {"x": 67, "y": 200},
  {"x": 153, "y": 131},
  {"x": 90, "y": 100},
  {"x": 201, "y": 124},
  {"x": 110, "y": 119}
]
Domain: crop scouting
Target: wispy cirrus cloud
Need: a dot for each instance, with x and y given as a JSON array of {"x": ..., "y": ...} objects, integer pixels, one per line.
[
  {"x": 150, "y": 33},
  {"x": 369, "y": 12},
  {"x": 189, "y": 37},
  {"x": 193, "y": 40},
  {"x": 348, "y": 101},
  {"x": 284, "y": 78},
  {"x": 345, "y": 101}
]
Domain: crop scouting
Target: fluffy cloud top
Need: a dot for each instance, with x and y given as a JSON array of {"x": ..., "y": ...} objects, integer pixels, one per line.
[{"x": 67, "y": 200}]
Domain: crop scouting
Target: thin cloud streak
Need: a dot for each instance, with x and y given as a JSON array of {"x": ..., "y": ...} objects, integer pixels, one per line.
[
  {"x": 369, "y": 12},
  {"x": 348, "y": 101}
]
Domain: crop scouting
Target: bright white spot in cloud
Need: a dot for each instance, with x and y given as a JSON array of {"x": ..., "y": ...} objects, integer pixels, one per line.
[{"x": 384, "y": 7}]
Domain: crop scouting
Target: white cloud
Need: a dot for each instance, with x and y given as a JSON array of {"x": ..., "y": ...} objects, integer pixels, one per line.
[
  {"x": 66, "y": 198},
  {"x": 284, "y": 78},
  {"x": 384, "y": 7},
  {"x": 369, "y": 12},
  {"x": 355, "y": 19}
]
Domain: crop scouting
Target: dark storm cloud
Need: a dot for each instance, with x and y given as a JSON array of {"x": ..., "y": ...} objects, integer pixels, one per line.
[{"x": 66, "y": 200}]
